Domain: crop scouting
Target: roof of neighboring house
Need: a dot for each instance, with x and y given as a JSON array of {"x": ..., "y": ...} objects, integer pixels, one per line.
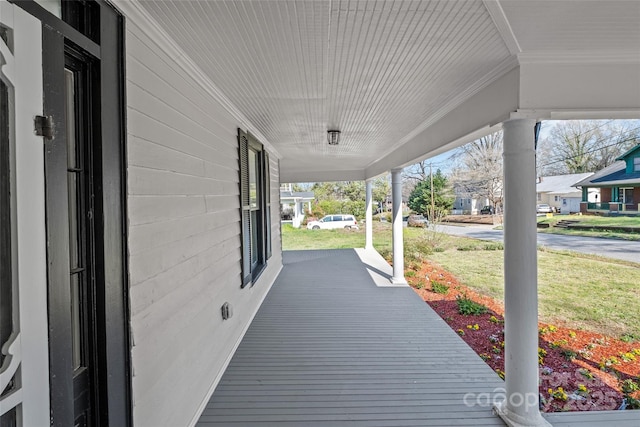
[
  {"x": 614, "y": 174},
  {"x": 560, "y": 184},
  {"x": 631, "y": 151}
]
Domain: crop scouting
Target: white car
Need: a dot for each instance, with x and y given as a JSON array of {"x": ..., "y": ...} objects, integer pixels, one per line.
[
  {"x": 329, "y": 222},
  {"x": 543, "y": 208}
]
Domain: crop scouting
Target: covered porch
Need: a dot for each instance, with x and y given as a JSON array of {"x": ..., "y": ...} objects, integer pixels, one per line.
[
  {"x": 191, "y": 115},
  {"x": 335, "y": 344}
]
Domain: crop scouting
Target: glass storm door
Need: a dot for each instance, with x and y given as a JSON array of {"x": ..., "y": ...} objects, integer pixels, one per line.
[{"x": 80, "y": 196}]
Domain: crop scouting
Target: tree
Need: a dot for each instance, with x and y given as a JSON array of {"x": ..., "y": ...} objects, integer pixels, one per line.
[
  {"x": 420, "y": 197},
  {"x": 353, "y": 190},
  {"x": 380, "y": 188},
  {"x": 576, "y": 146},
  {"x": 479, "y": 173}
]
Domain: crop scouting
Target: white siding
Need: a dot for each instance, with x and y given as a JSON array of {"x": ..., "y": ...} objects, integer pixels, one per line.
[{"x": 184, "y": 243}]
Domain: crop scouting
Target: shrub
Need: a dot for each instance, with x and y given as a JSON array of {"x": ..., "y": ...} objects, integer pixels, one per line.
[
  {"x": 585, "y": 373},
  {"x": 439, "y": 287},
  {"x": 416, "y": 250},
  {"x": 467, "y": 248},
  {"x": 467, "y": 306},
  {"x": 546, "y": 329},
  {"x": 559, "y": 343},
  {"x": 628, "y": 388},
  {"x": 495, "y": 246},
  {"x": 627, "y": 357},
  {"x": 542, "y": 353}
]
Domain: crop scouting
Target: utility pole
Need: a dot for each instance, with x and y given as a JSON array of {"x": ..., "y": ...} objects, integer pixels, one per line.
[{"x": 433, "y": 206}]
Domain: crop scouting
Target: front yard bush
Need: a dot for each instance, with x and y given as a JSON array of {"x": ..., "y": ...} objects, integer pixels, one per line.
[{"x": 468, "y": 307}]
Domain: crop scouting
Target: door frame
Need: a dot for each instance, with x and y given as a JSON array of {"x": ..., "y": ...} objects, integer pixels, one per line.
[{"x": 112, "y": 308}]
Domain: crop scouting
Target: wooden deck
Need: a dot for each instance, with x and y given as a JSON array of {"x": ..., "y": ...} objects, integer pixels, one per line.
[{"x": 331, "y": 346}]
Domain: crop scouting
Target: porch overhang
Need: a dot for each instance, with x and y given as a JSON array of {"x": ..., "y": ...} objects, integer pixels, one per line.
[{"x": 402, "y": 81}]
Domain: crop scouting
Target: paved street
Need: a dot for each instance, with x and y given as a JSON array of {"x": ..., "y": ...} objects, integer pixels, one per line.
[{"x": 620, "y": 249}]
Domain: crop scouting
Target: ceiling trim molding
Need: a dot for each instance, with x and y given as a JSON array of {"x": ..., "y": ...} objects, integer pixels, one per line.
[
  {"x": 502, "y": 25},
  {"x": 573, "y": 114},
  {"x": 133, "y": 10},
  {"x": 593, "y": 57},
  {"x": 503, "y": 68},
  {"x": 322, "y": 176}
]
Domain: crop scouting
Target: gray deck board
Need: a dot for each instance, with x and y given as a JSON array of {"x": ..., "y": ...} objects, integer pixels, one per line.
[{"x": 332, "y": 345}]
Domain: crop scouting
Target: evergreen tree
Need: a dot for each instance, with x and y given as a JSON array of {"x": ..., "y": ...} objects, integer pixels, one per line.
[{"x": 420, "y": 197}]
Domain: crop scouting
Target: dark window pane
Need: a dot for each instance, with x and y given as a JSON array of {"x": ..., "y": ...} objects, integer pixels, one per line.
[
  {"x": 6, "y": 258},
  {"x": 254, "y": 237},
  {"x": 253, "y": 179},
  {"x": 76, "y": 326},
  {"x": 9, "y": 419}
]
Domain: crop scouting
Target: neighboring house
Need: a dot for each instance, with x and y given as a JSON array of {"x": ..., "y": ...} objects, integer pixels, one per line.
[
  {"x": 467, "y": 205},
  {"x": 470, "y": 197},
  {"x": 293, "y": 205},
  {"x": 558, "y": 191},
  {"x": 619, "y": 185},
  {"x": 142, "y": 147}
]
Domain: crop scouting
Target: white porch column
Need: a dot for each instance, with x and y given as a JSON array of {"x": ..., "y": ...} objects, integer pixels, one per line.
[
  {"x": 521, "y": 277},
  {"x": 368, "y": 225},
  {"x": 398, "y": 244}
]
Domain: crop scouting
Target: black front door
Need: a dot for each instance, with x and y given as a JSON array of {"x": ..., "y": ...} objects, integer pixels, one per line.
[
  {"x": 80, "y": 80},
  {"x": 73, "y": 226},
  {"x": 83, "y": 129}
]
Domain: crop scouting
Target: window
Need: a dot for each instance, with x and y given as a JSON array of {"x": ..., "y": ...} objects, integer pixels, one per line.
[
  {"x": 625, "y": 196},
  {"x": 636, "y": 164},
  {"x": 539, "y": 196},
  {"x": 255, "y": 202}
]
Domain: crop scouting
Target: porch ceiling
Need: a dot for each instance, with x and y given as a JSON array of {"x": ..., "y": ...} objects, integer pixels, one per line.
[{"x": 379, "y": 71}]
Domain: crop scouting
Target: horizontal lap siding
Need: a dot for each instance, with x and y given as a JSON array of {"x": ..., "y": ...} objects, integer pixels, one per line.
[{"x": 184, "y": 236}]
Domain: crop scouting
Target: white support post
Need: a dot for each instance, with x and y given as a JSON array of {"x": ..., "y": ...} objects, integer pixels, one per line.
[
  {"x": 398, "y": 244},
  {"x": 369, "y": 217},
  {"x": 521, "y": 277}
]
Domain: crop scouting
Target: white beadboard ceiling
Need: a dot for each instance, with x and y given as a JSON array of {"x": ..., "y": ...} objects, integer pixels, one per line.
[{"x": 379, "y": 71}]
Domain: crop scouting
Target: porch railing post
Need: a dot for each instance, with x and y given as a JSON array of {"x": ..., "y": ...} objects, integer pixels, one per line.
[
  {"x": 398, "y": 244},
  {"x": 520, "y": 407},
  {"x": 368, "y": 225}
]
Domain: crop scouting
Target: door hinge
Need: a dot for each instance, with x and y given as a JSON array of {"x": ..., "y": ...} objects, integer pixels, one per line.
[{"x": 43, "y": 126}]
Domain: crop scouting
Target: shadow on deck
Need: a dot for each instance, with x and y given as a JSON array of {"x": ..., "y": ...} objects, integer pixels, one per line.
[{"x": 331, "y": 346}]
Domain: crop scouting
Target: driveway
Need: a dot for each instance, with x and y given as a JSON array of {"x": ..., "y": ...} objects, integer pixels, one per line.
[{"x": 611, "y": 248}]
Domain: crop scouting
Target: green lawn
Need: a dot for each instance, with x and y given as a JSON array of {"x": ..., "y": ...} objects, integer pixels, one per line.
[
  {"x": 596, "y": 294},
  {"x": 596, "y": 221},
  {"x": 301, "y": 238},
  {"x": 610, "y": 221},
  {"x": 576, "y": 290}
]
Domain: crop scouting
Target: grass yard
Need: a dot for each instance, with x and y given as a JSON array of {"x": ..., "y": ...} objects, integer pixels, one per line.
[
  {"x": 610, "y": 221},
  {"x": 301, "y": 238},
  {"x": 579, "y": 291},
  {"x": 595, "y": 221},
  {"x": 591, "y": 293}
]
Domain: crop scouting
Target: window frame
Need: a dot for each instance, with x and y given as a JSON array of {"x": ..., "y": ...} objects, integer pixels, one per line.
[{"x": 255, "y": 221}]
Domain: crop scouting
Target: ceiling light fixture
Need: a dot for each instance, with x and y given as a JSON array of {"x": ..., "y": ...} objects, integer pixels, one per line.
[{"x": 333, "y": 136}]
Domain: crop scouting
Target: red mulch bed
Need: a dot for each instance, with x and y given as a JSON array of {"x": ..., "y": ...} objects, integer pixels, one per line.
[{"x": 573, "y": 358}]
